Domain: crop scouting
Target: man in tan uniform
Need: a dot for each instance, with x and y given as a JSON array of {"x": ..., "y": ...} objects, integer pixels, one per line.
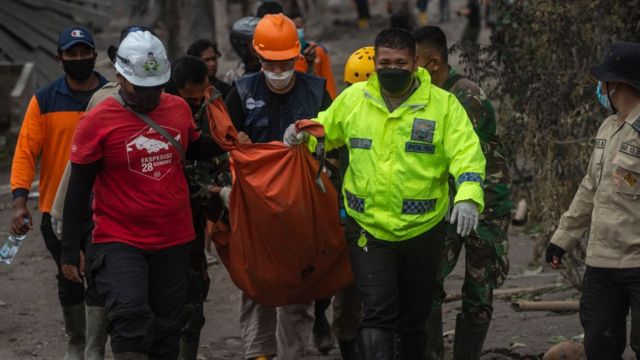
[{"x": 607, "y": 205}]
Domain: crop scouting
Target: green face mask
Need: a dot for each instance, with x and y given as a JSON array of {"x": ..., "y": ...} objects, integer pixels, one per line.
[{"x": 394, "y": 81}]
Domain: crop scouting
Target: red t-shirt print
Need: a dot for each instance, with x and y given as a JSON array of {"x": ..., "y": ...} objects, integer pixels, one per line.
[
  {"x": 150, "y": 154},
  {"x": 141, "y": 196}
]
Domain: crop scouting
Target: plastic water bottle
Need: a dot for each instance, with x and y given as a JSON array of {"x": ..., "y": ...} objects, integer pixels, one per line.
[{"x": 11, "y": 246}]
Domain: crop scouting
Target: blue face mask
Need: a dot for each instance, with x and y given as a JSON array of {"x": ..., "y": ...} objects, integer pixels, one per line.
[{"x": 604, "y": 100}]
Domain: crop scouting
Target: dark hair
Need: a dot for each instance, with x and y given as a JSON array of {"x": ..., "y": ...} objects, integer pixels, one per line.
[
  {"x": 433, "y": 37},
  {"x": 295, "y": 14},
  {"x": 271, "y": 7},
  {"x": 186, "y": 69},
  {"x": 199, "y": 46},
  {"x": 112, "y": 50},
  {"x": 395, "y": 38}
]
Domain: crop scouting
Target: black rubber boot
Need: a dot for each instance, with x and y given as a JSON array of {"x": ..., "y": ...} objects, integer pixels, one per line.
[
  {"x": 74, "y": 326},
  {"x": 96, "y": 333},
  {"x": 193, "y": 316},
  {"x": 469, "y": 339},
  {"x": 348, "y": 350},
  {"x": 376, "y": 344},
  {"x": 322, "y": 338},
  {"x": 435, "y": 345}
]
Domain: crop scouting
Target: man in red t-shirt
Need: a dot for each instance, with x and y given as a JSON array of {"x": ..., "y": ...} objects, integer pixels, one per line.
[{"x": 141, "y": 203}]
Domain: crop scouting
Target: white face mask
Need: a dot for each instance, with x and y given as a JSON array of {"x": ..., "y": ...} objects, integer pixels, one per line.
[{"x": 278, "y": 80}]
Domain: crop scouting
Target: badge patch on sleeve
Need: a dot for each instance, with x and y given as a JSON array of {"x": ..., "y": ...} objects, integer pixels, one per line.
[
  {"x": 600, "y": 143},
  {"x": 423, "y": 130},
  {"x": 360, "y": 143},
  {"x": 630, "y": 150}
]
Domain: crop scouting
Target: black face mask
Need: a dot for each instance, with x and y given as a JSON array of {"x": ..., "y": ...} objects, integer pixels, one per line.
[
  {"x": 79, "y": 70},
  {"x": 143, "y": 99},
  {"x": 394, "y": 81}
]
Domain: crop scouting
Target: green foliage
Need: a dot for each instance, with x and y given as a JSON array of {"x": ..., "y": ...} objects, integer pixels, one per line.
[{"x": 537, "y": 70}]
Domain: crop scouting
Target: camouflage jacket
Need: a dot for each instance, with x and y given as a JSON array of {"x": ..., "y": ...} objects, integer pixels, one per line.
[
  {"x": 497, "y": 185},
  {"x": 202, "y": 175}
]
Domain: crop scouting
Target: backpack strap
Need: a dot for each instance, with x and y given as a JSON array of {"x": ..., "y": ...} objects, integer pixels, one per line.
[
  {"x": 448, "y": 84},
  {"x": 152, "y": 124}
]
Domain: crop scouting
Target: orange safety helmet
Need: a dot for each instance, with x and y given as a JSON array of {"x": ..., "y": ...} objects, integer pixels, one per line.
[
  {"x": 276, "y": 38},
  {"x": 360, "y": 65}
]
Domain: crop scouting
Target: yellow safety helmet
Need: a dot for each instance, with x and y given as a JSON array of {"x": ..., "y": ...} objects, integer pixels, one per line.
[{"x": 360, "y": 65}]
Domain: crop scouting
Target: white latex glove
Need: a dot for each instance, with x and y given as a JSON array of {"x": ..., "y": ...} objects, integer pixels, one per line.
[
  {"x": 224, "y": 195},
  {"x": 465, "y": 213},
  {"x": 56, "y": 224},
  {"x": 292, "y": 137}
]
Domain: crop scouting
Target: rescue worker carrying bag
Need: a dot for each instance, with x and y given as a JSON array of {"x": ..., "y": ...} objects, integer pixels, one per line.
[{"x": 284, "y": 243}]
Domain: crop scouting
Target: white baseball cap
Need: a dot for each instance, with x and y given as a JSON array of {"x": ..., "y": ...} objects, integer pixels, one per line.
[{"x": 142, "y": 60}]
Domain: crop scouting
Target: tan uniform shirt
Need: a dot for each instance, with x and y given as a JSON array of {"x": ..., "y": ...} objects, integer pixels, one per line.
[
  {"x": 109, "y": 89},
  {"x": 608, "y": 200}
]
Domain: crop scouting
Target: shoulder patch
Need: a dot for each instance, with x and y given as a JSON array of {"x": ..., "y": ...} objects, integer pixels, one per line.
[{"x": 600, "y": 143}]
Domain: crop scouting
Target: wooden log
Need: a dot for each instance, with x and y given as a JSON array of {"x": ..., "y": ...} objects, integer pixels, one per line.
[
  {"x": 546, "y": 305},
  {"x": 507, "y": 293}
]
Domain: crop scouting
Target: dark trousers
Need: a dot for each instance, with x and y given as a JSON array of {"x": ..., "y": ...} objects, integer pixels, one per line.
[
  {"x": 69, "y": 293},
  {"x": 422, "y": 5},
  {"x": 363, "y": 9},
  {"x": 396, "y": 281},
  {"x": 607, "y": 295},
  {"x": 193, "y": 315},
  {"x": 144, "y": 293}
]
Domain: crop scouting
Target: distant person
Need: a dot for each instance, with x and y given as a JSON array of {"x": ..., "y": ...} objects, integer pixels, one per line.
[
  {"x": 362, "y": 7},
  {"x": 45, "y": 138},
  {"x": 423, "y": 16},
  {"x": 445, "y": 11},
  {"x": 241, "y": 38},
  {"x": 315, "y": 59},
  {"x": 400, "y": 14},
  {"x": 472, "y": 11},
  {"x": 607, "y": 208},
  {"x": 208, "y": 52}
]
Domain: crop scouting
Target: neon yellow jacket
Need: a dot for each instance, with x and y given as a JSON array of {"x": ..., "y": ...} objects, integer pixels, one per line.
[{"x": 396, "y": 184}]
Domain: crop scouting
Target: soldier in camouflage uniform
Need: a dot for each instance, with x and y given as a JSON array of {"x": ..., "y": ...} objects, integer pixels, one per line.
[
  {"x": 486, "y": 261},
  {"x": 189, "y": 80}
]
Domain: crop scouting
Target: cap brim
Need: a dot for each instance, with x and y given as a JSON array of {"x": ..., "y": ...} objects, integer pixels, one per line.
[
  {"x": 75, "y": 42},
  {"x": 278, "y": 55},
  {"x": 602, "y": 74}
]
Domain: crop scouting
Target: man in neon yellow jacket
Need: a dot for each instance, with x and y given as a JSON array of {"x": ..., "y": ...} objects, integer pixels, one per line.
[{"x": 404, "y": 136}]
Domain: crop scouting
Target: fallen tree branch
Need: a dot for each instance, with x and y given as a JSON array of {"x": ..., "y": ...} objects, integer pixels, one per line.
[{"x": 546, "y": 305}]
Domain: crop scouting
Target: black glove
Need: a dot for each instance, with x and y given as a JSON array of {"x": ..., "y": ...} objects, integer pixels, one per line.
[{"x": 554, "y": 255}]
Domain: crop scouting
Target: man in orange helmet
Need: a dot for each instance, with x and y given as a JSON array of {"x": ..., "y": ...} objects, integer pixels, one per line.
[{"x": 262, "y": 105}]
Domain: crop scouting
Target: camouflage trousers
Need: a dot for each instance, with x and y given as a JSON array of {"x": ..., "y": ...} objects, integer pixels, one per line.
[{"x": 486, "y": 267}]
